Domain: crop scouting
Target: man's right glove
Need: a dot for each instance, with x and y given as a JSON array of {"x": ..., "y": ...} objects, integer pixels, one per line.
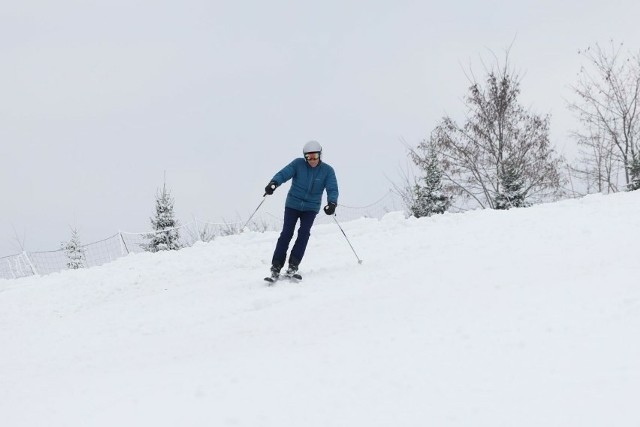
[
  {"x": 330, "y": 209},
  {"x": 270, "y": 188}
]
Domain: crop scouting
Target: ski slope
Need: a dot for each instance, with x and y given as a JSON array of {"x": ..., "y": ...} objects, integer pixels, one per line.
[{"x": 528, "y": 317}]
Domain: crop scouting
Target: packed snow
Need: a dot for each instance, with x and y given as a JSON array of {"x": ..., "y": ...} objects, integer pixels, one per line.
[{"x": 527, "y": 317}]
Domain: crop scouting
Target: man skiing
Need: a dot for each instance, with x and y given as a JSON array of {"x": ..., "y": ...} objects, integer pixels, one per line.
[{"x": 311, "y": 176}]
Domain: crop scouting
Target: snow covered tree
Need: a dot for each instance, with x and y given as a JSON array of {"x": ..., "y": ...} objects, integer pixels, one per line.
[
  {"x": 634, "y": 173},
  {"x": 74, "y": 251},
  {"x": 166, "y": 236},
  {"x": 428, "y": 196},
  {"x": 511, "y": 194}
]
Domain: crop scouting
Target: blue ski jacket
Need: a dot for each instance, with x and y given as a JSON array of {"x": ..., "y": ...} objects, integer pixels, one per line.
[{"x": 308, "y": 184}]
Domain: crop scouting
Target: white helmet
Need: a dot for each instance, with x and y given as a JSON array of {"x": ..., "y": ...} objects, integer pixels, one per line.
[{"x": 312, "y": 147}]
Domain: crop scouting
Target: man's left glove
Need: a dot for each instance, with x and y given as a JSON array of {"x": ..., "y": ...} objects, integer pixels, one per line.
[
  {"x": 270, "y": 188},
  {"x": 330, "y": 209}
]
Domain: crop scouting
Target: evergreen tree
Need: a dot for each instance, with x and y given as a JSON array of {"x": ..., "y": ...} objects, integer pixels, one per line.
[
  {"x": 634, "y": 173},
  {"x": 511, "y": 193},
  {"x": 166, "y": 236},
  {"x": 74, "y": 251},
  {"x": 428, "y": 196}
]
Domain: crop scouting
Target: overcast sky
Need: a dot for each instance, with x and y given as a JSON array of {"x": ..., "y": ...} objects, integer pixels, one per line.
[{"x": 99, "y": 98}]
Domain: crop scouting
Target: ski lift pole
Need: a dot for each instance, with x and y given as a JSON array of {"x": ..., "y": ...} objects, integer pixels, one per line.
[
  {"x": 345, "y": 236},
  {"x": 254, "y": 212}
]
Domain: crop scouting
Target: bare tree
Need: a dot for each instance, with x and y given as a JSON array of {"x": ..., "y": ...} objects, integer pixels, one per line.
[
  {"x": 608, "y": 90},
  {"x": 498, "y": 139},
  {"x": 207, "y": 233},
  {"x": 596, "y": 166},
  {"x": 403, "y": 187},
  {"x": 19, "y": 240}
]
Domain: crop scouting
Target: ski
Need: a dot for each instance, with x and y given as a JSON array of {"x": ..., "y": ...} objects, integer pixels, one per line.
[
  {"x": 294, "y": 277},
  {"x": 271, "y": 280}
]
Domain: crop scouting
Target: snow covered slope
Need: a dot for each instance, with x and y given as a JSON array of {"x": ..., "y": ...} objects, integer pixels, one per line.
[{"x": 529, "y": 317}]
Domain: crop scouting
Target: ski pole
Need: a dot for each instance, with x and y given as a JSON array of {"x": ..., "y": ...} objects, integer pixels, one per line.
[
  {"x": 345, "y": 236},
  {"x": 254, "y": 212}
]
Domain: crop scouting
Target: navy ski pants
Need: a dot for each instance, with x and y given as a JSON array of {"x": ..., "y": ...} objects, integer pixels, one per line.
[{"x": 291, "y": 217}]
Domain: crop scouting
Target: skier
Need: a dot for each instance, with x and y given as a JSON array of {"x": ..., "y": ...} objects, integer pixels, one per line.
[{"x": 311, "y": 176}]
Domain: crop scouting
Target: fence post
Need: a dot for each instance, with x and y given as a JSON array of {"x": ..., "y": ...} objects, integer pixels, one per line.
[
  {"x": 33, "y": 268},
  {"x": 123, "y": 244}
]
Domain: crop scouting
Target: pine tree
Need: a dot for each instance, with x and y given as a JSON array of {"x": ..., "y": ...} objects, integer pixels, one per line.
[
  {"x": 428, "y": 196},
  {"x": 74, "y": 251},
  {"x": 634, "y": 173},
  {"x": 512, "y": 193},
  {"x": 166, "y": 236}
]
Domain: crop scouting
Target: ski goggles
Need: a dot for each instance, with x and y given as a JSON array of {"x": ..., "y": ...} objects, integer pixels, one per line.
[{"x": 312, "y": 156}]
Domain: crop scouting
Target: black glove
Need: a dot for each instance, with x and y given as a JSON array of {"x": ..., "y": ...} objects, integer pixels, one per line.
[
  {"x": 270, "y": 188},
  {"x": 330, "y": 209}
]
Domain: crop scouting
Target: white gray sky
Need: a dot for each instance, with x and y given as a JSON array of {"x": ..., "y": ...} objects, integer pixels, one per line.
[{"x": 99, "y": 98}]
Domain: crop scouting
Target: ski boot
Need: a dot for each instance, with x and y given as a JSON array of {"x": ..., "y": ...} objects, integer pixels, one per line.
[
  {"x": 275, "y": 274},
  {"x": 292, "y": 272}
]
